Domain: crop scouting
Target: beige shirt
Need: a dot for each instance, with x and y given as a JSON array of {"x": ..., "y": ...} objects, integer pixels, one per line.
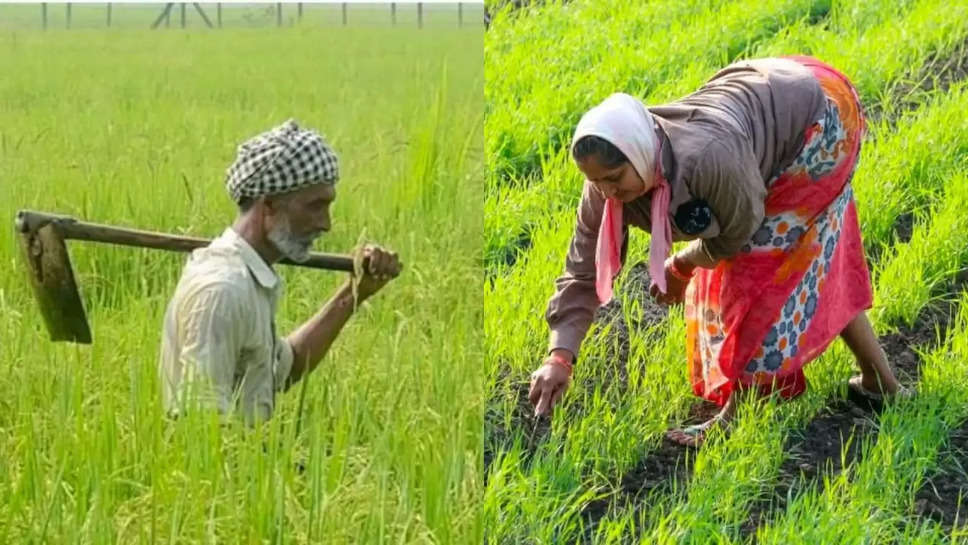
[
  {"x": 720, "y": 147},
  {"x": 219, "y": 346}
]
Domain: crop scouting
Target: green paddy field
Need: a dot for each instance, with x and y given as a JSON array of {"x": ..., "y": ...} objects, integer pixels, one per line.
[
  {"x": 819, "y": 470},
  {"x": 135, "y": 128}
]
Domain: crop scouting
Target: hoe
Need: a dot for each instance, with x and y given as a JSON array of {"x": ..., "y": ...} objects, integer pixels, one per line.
[{"x": 42, "y": 239}]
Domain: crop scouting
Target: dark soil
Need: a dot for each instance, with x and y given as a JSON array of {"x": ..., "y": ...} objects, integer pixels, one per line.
[
  {"x": 669, "y": 463},
  {"x": 616, "y": 342},
  {"x": 818, "y": 447},
  {"x": 813, "y": 451},
  {"x": 935, "y": 76},
  {"x": 636, "y": 287},
  {"x": 666, "y": 467},
  {"x": 496, "y": 436},
  {"x": 904, "y": 227},
  {"x": 944, "y": 488}
]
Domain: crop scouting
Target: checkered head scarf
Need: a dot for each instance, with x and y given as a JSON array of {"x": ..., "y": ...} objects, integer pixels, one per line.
[{"x": 284, "y": 159}]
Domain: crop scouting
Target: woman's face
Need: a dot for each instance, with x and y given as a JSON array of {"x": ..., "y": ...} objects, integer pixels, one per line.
[{"x": 621, "y": 182}]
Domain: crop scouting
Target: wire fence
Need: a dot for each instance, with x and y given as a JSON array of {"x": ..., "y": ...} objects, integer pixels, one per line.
[{"x": 215, "y": 15}]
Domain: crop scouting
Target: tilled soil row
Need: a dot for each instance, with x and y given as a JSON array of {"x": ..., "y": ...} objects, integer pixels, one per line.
[
  {"x": 812, "y": 451},
  {"x": 935, "y": 76},
  {"x": 844, "y": 426}
]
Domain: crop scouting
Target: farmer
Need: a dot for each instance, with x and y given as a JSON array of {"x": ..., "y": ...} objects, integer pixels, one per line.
[
  {"x": 754, "y": 169},
  {"x": 219, "y": 346}
]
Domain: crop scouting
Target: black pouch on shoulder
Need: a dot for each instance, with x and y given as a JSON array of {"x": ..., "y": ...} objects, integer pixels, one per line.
[{"x": 693, "y": 217}]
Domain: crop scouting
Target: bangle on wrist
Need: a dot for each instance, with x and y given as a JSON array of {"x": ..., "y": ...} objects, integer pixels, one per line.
[
  {"x": 674, "y": 270},
  {"x": 555, "y": 359}
]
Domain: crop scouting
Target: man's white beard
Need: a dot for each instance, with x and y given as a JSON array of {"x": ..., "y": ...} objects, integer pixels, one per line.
[{"x": 295, "y": 248}]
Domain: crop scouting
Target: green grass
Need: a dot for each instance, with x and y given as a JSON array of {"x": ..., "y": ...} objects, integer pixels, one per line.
[
  {"x": 913, "y": 29},
  {"x": 572, "y": 57},
  {"x": 913, "y": 162},
  {"x": 136, "y": 128}
]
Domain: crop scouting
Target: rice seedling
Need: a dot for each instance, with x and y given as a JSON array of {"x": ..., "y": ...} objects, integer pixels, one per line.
[{"x": 811, "y": 471}]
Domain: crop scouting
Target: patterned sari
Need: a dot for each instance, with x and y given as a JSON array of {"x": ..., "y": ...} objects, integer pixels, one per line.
[{"x": 760, "y": 316}]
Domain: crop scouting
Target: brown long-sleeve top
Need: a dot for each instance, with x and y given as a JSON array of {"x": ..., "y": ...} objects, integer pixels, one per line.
[{"x": 721, "y": 144}]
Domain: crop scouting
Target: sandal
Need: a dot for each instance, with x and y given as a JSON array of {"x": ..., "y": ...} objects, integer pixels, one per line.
[
  {"x": 696, "y": 434},
  {"x": 876, "y": 400}
]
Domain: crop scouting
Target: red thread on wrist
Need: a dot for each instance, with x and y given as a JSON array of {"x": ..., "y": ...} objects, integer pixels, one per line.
[{"x": 560, "y": 361}]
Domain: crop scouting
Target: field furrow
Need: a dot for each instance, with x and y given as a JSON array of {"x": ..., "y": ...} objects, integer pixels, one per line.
[{"x": 598, "y": 471}]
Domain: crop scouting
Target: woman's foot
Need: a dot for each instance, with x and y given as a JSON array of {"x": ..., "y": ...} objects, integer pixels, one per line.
[
  {"x": 695, "y": 436},
  {"x": 872, "y": 391},
  {"x": 876, "y": 381},
  {"x": 873, "y": 385}
]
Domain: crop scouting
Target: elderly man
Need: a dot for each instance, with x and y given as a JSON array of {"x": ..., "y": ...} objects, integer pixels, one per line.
[{"x": 219, "y": 348}]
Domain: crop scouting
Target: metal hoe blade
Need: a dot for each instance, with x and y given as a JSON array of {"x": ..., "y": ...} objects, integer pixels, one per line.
[{"x": 52, "y": 278}]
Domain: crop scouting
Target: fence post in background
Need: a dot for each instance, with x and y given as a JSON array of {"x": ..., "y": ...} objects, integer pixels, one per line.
[
  {"x": 43, "y": 14},
  {"x": 460, "y": 14},
  {"x": 68, "y": 15},
  {"x": 419, "y": 14},
  {"x": 163, "y": 16},
  {"x": 299, "y": 12},
  {"x": 218, "y": 14},
  {"x": 198, "y": 8},
  {"x": 344, "y": 13},
  {"x": 109, "y": 14},
  {"x": 393, "y": 12},
  {"x": 183, "y": 15},
  {"x": 278, "y": 13}
]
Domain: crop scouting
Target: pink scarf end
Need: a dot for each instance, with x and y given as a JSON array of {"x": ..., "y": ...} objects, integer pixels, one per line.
[
  {"x": 608, "y": 252},
  {"x": 661, "y": 235}
]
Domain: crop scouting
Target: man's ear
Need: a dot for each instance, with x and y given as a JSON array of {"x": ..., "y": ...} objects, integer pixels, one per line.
[
  {"x": 271, "y": 206},
  {"x": 263, "y": 208}
]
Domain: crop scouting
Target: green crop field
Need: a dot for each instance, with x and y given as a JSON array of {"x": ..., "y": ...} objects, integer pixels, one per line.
[
  {"x": 91, "y": 15},
  {"x": 817, "y": 470},
  {"x": 136, "y": 128}
]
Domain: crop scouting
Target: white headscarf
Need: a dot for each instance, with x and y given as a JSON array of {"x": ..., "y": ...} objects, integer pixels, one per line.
[{"x": 624, "y": 121}]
